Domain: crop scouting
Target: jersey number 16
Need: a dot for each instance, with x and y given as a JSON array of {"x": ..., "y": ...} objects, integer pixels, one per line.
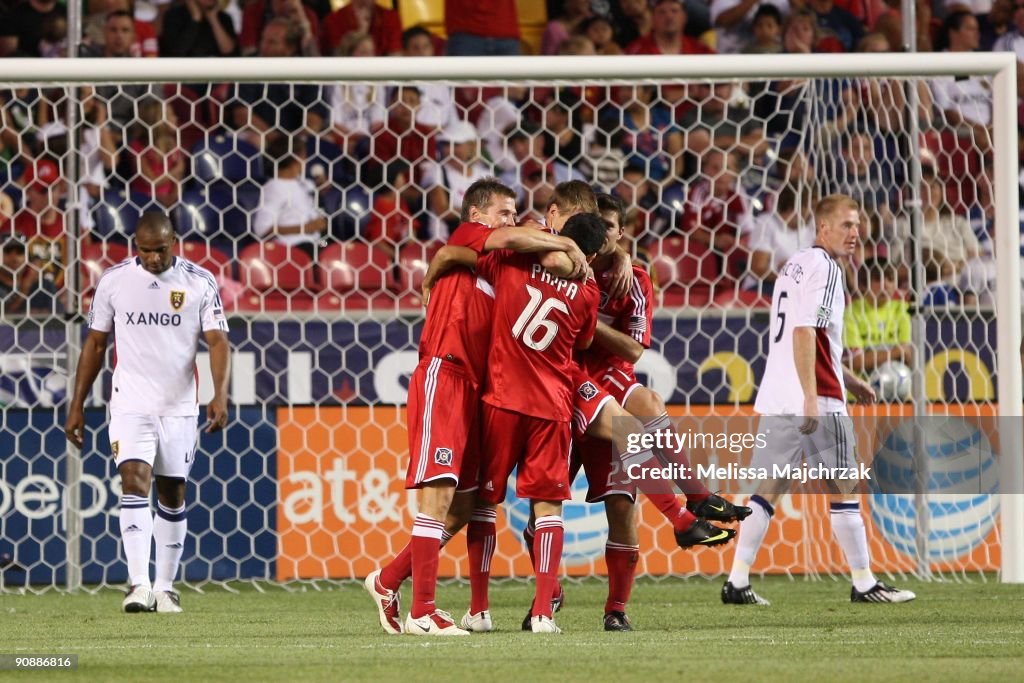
[{"x": 533, "y": 323}]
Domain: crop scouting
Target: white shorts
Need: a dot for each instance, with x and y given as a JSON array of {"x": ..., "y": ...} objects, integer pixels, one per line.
[
  {"x": 832, "y": 444},
  {"x": 167, "y": 444}
]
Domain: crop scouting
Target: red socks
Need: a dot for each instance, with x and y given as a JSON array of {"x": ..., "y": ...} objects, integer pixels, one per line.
[
  {"x": 547, "y": 557},
  {"x": 426, "y": 547},
  {"x": 621, "y": 560},
  {"x": 480, "y": 543}
]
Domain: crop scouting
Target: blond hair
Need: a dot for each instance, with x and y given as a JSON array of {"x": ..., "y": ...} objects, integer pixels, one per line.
[
  {"x": 574, "y": 196},
  {"x": 832, "y": 204}
]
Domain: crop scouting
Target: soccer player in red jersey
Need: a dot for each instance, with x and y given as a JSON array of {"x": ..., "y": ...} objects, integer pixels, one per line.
[
  {"x": 443, "y": 399},
  {"x": 539, "y": 320}
]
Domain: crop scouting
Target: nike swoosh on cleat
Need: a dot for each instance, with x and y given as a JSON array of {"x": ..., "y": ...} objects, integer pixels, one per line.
[
  {"x": 717, "y": 508},
  {"x": 718, "y": 537}
]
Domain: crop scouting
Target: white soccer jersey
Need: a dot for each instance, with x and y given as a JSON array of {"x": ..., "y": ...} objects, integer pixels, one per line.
[
  {"x": 809, "y": 292},
  {"x": 156, "y": 321}
]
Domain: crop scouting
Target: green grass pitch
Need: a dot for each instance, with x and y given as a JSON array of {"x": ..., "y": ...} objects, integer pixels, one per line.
[{"x": 954, "y": 631}]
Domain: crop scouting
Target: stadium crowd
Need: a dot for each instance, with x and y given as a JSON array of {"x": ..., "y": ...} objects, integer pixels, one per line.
[{"x": 298, "y": 195}]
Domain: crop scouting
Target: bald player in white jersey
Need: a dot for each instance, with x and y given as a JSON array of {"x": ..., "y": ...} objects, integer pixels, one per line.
[
  {"x": 802, "y": 402},
  {"x": 158, "y": 306}
]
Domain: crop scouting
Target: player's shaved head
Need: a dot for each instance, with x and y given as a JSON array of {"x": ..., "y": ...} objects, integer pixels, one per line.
[
  {"x": 154, "y": 241},
  {"x": 587, "y": 230}
]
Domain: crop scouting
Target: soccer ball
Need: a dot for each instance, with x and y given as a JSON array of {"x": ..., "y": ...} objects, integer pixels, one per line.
[{"x": 891, "y": 382}]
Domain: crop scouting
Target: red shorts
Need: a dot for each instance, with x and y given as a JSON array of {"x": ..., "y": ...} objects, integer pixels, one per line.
[
  {"x": 442, "y": 408},
  {"x": 603, "y": 469},
  {"x": 617, "y": 383},
  {"x": 587, "y": 402},
  {"x": 539, "y": 448}
]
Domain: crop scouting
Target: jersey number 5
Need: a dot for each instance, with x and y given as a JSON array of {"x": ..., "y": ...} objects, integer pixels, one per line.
[
  {"x": 533, "y": 321},
  {"x": 781, "y": 315}
]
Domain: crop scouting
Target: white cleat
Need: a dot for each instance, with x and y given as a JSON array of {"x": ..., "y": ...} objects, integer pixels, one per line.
[
  {"x": 437, "y": 623},
  {"x": 139, "y": 599},
  {"x": 542, "y": 624},
  {"x": 168, "y": 602},
  {"x": 478, "y": 623},
  {"x": 881, "y": 592},
  {"x": 387, "y": 604}
]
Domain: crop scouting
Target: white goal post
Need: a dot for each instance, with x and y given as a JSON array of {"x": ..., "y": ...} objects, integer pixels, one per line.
[{"x": 1000, "y": 67}]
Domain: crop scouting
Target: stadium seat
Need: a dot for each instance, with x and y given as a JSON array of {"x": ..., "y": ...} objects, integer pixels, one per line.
[
  {"x": 370, "y": 267},
  {"x": 115, "y": 215},
  {"x": 276, "y": 277},
  {"x": 97, "y": 256},
  {"x": 227, "y": 159}
]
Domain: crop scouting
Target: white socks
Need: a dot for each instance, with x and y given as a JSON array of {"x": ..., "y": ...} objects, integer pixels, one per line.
[
  {"x": 169, "y": 529},
  {"x": 848, "y": 529},
  {"x": 752, "y": 531},
  {"x": 136, "y": 537}
]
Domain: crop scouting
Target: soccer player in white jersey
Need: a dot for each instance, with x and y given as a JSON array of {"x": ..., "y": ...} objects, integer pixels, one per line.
[
  {"x": 802, "y": 402},
  {"x": 157, "y": 305}
]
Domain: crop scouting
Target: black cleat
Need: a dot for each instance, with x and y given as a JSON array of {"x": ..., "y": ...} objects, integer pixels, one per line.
[
  {"x": 718, "y": 509},
  {"x": 731, "y": 595},
  {"x": 617, "y": 621},
  {"x": 703, "y": 533},
  {"x": 556, "y": 604}
]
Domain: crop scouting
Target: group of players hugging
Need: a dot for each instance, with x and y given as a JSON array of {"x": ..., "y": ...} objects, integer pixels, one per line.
[{"x": 526, "y": 361}]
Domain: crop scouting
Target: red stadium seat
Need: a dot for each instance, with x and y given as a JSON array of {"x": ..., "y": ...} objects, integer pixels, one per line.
[
  {"x": 276, "y": 277},
  {"x": 97, "y": 257},
  {"x": 354, "y": 265},
  {"x": 413, "y": 261},
  {"x": 202, "y": 254}
]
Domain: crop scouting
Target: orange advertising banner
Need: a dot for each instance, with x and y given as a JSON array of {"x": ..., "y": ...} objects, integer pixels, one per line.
[{"x": 343, "y": 511}]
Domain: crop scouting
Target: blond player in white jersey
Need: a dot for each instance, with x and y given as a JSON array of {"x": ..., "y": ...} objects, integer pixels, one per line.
[
  {"x": 157, "y": 305},
  {"x": 802, "y": 403}
]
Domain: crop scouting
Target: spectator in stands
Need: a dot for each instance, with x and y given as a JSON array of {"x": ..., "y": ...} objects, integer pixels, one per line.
[
  {"x": 836, "y": 25},
  {"x": 288, "y": 212},
  {"x": 632, "y": 20},
  {"x": 577, "y": 45},
  {"x": 777, "y": 234},
  {"x": 197, "y": 28},
  {"x": 25, "y": 287},
  {"x": 599, "y": 30},
  {"x": 525, "y": 146},
  {"x": 365, "y": 17},
  {"x": 877, "y": 323},
  {"x": 54, "y": 39},
  {"x": 391, "y": 223},
  {"x": 890, "y": 24},
  {"x": 145, "y": 42},
  {"x": 99, "y": 154},
  {"x": 574, "y": 13},
  {"x": 437, "y": 101},
  {"x": 275, "y": 109},
  {"x": 21, "y": 28},
  {"x": 355, "y": 107},
  {"x": 448, "y": 180},
  {"x": 401, "y": 138},
  {"x": 563, "y": 138},
  {"x": 717, "y": 213},
  {"x": 1013, "y": 39},
  {"x": 482, "y": 28},
  {"x": 537, "y": 187},
  {"x": 40, "y": 214},
  {"x": 667, "y": 35},
  {"x": 734, "y": 21},
  {"x": 258, "y": 15},
  {"x": 119, "y": 40},
  {"x": 500, "y": 118},
  {"x": 650, "y": 136},
  {"x": 159, "y": 161},
  {"x": 858, "y": 174},
  {"x": 638, "y": 192},
  {"x": 995, "y": 24},
  {"x": 766, "y": 31},
  {"x": 710, "y": 117}
]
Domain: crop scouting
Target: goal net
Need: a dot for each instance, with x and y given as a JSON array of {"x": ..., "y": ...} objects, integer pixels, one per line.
[{"x": 718, "y": 160}]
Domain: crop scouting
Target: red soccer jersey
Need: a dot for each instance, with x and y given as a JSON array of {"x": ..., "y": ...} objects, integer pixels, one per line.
[
  {"x": 538, "y": 319},
  {"x": 632, "y": 314},
  {"x": 456, "y": 329}
]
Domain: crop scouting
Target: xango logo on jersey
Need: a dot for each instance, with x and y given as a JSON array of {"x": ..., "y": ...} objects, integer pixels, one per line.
[
  {"x": 962, "y": 478},
  {"x": 586, "y": 527}
]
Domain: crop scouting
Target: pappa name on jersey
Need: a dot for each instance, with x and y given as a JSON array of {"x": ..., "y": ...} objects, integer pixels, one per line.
[
  {"x": 150, "y": 318},
  {"x": 567, "y": 287}
]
